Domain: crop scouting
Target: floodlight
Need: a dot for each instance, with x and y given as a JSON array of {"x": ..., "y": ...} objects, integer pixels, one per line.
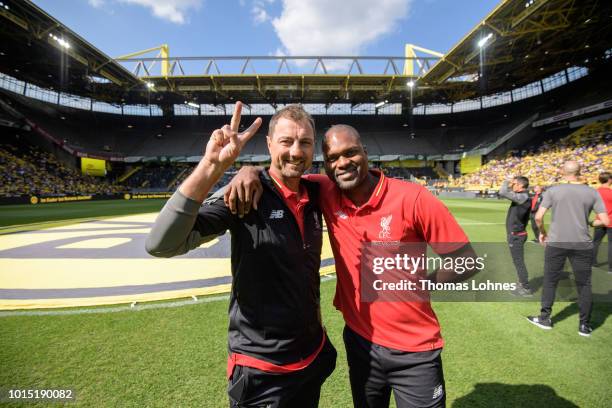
[
  {"x": 483, "y": 41},
  {"x": 381, "y": 104}
]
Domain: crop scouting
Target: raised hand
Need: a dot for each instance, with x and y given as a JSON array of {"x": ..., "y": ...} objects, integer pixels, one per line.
[{"x": 225, "y": 144}]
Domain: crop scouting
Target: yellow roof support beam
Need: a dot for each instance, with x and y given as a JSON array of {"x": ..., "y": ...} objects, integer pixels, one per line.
[
  {"x": 164, "y": 54},
  {"x": 10, "y": 16},
  {"x": 528, "y": 12},
  {"x": 411, "y": 57}
]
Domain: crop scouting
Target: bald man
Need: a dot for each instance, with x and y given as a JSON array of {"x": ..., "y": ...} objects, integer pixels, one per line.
[{"x": 571, "y": 203}]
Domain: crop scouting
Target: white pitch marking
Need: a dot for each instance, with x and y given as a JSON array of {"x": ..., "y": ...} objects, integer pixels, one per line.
[
  {"x": 165, "y": 305},
  {"x": 135, "y": 308}
]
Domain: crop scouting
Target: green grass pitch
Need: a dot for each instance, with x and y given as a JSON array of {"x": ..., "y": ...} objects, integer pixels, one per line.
[{"x": 175, "y": 356}]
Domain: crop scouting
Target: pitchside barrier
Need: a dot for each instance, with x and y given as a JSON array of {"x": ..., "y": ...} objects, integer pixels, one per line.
[
  {"x": 36, "y": 200},
  {"x": 457, "y": 194}
]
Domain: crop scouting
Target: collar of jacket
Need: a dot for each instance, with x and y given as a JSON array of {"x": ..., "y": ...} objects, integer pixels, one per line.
[{"x": 311, "y": 186}]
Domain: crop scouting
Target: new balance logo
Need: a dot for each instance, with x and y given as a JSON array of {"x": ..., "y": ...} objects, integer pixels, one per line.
[
  {"x": 277, "y": 214},
  {"x": 438, "y": 391}
]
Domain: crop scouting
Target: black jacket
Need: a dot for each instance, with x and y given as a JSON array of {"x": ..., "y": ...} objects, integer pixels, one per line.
[
  {"x": 518, "y": 213},
  {"x": 275, "y": 301}
]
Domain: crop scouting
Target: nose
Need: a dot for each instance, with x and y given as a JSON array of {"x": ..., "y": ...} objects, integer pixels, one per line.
[
  {"x": 343, "y": 162},
  {"x": 296, "y": 151}
]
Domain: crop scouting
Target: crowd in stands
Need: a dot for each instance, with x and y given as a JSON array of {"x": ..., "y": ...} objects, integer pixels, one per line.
[
  {"x": 157, "y": 177},
  {"x": 420, "y": 175},
  {"x": 590, "y": 146},
  {"x": 28, "y": 170},
  {"x": 31, "y": 171},
  {"x": 187, "y": 169}
]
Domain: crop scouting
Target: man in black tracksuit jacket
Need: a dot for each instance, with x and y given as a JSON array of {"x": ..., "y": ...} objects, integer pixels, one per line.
[
  {"x": 279, "y": 354},
  {"x": 516, "y": 224}
]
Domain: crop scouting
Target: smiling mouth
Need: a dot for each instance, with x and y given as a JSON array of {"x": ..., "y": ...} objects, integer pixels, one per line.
[{"x": 347, "y": 174}]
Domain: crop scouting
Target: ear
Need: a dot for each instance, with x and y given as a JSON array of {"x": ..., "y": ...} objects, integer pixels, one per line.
[{"x": 268, "y": 141}]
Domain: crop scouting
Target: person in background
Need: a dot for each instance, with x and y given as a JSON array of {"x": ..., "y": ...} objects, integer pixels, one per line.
[
  {"x": 599, "y": 232},
  {"x": 571, "y": 203},
  {"x": 517, "y": 217},
  {"x": 536, "y": 200}
]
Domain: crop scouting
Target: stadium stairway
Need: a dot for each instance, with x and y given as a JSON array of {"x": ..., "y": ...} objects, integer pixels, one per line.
[
  {"x": 519, "y": 133},
  {"x": 588, "y": 133},
  {"x": 128, "y": 173},
  {"x": 439, "y": 170},
  {"x": 178, "y": 177}
]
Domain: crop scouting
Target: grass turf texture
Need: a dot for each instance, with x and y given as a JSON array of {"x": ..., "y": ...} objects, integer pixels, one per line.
[{"x": 176, "y": 356}]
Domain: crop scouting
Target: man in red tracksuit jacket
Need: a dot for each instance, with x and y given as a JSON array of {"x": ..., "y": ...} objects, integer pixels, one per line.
[{"x": 395, "y": 345}]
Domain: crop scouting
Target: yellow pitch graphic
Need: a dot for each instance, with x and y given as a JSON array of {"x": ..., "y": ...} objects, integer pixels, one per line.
[{"x": 99, "y": 262}]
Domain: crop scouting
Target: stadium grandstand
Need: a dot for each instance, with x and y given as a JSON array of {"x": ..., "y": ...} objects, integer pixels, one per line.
[{"x": 448, "y": 121}]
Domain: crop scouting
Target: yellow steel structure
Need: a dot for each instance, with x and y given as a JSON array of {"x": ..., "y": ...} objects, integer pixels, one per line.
[
  {"x": 163, "y": 56},
  {"x": 411, "y": 57},
  {"x": 526, "y": 41}
]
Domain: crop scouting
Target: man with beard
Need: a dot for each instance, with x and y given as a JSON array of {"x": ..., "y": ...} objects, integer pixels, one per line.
[
  {"x": 279, "y": 354},
  {"x": 391, "y": 346}
]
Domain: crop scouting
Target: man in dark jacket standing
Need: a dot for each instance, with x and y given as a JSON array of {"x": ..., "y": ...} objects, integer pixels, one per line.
[
  {"x": 515, "y": 190},
  {"x": 279, "y": 354}
]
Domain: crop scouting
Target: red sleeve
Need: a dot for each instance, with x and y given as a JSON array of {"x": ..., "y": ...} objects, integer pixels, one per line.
[
  {"x": 534, "y": 200},
  {"x": 437, "y": 225},
  {"x": 324, "y": 184},
  {"x": 317, "y": 178}
]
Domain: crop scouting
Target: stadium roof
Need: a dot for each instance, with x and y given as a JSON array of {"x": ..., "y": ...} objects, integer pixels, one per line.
[
  {"x": 37, "y": 48},
  {"x": 523, "y": 41}
]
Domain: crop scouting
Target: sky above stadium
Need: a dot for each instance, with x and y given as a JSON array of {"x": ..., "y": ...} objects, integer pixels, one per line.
[{"x": 269, "y": 27}]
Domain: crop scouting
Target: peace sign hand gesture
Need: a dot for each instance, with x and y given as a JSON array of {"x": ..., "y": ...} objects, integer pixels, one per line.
[{"x": 225, "y": 144}]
